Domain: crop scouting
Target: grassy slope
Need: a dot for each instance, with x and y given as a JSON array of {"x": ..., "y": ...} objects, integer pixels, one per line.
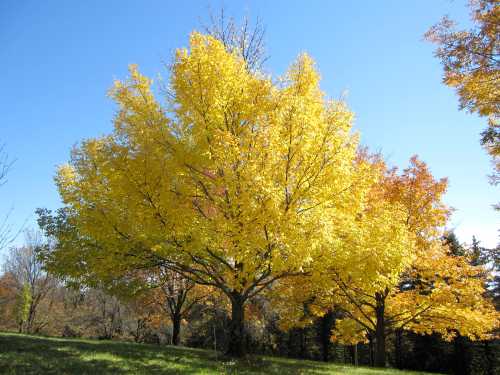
[{"x": 22, "y": 354}]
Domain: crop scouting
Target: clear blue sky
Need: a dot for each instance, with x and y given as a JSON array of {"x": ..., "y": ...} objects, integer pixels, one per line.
[{"x": 58, "y": 58}]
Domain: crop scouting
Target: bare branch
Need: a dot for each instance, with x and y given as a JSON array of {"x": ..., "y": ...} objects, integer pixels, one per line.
[{"x": 246, "y": 40}]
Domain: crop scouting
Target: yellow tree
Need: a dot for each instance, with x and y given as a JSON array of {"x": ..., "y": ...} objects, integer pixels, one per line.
[
  {"x": 236, "y": 182},
  {"x": 395, "y": 273}
]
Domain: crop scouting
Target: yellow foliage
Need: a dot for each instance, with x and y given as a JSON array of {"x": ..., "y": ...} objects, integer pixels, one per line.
[
  {"x": 236, "y": 181},
  {"x": 393, "y": 268}
]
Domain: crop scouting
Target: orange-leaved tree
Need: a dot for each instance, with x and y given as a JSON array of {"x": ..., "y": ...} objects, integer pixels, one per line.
[
  {"x": 471, "y": 62},
  {"x": 396, "y": 272}
]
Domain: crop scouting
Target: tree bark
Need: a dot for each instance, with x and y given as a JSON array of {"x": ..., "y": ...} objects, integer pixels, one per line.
[
  {"x": 380, "y": 332},
  {"x": 176, "y": 328},
  {"x": 236, "y": 346}
]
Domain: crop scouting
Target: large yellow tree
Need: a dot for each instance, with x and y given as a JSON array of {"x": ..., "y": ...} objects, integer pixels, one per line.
[{"x": 235, "y": 181}]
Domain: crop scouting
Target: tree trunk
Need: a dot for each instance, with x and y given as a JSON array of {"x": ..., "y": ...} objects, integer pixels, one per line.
[
  {"x": 398, "y": 343},
  {"x": 303, "y": 344},
  {"x": 31, "y": 318},
  {"x": 236, "y": 346},
  {"x": 326, "y": 324},
  {"x": 380, "y": 332},
  {"x": 370, "y": 347},
  {"x": 176, "y": 328},
  {"x": 490, "y": 359},
  {"x": 461, "y": 363}
]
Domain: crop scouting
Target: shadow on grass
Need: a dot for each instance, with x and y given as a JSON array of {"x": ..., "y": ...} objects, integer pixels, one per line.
[
  {"x": 21, "y": 354},
  {"x": 38, "y": 355}
]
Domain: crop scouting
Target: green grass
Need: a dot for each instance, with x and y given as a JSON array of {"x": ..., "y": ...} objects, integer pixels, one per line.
[{"x": 23, "y": 354}]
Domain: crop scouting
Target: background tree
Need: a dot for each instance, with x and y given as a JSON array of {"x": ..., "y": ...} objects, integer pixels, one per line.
[
  {"x": 8, "y": 294},
  {"x": 23, "y": 308},
  {"x": 32, "y": 282},
  {"x": 6, "y": 235},
  {"x": 176, "y": 296},
  {"x": 471, "y": 62},
  {"x": 471, "y": 58}
]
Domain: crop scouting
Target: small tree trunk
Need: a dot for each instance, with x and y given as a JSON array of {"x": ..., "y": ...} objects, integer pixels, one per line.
[
  {"x": 31, "y": 317},
  {"x": 490, "y": 359},
  {"x": 461, "y": 363},
  {"x": 303, "y": 344},
  {"x": 398, "y": 348},
  {"x": 326, "y": 324},
  {"x": 380, "y": 332},
  {"x": 380, "y": 348},
  {"x": 176, "y": 328},
  {"x": 370, "y": 347},
  {"x": 236, "y": 346}
]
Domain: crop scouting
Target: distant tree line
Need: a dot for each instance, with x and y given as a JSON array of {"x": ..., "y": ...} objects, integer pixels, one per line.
[{"x": 174, "y": 311}]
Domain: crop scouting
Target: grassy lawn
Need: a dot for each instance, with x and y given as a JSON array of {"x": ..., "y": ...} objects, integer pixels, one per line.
[{"x": 22, "y": 354}]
